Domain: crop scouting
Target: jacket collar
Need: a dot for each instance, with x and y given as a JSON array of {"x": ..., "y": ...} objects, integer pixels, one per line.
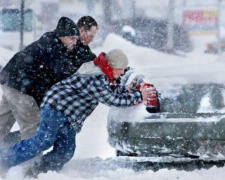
[{"x": 101, "y": 62}]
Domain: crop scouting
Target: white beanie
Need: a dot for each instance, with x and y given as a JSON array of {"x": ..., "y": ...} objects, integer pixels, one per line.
[{"x": 117, "y": 59}]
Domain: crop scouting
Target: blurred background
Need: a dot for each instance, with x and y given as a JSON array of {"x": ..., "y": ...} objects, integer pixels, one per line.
[
  {"x": 171, "y": 26},
  {"x": 169, "y": 41}
]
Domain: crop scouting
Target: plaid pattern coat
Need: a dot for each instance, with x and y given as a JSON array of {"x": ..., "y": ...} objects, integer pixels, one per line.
[{"x": 77, "y": 96}]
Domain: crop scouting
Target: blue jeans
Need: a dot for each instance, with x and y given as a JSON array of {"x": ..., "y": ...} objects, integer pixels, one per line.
[{"x": 54, "y": 130}]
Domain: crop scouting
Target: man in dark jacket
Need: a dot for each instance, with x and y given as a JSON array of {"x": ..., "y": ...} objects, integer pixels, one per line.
[
  {"x": 32, "y": 71},
  {"x": 66, "y": 106}
]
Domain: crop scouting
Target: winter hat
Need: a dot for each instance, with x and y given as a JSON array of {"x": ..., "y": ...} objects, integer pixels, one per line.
[
  {"x": 66, "y": 27},
  {"x": 117, "y": 59}
]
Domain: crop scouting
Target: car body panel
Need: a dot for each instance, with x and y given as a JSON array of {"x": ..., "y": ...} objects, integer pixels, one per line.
[{"x": 183, "y": 126}]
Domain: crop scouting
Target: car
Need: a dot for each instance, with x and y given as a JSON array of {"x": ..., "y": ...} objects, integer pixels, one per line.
[
  {"x": 190, "y": 125},
  {"x": 212, "y": 47},
  {"x": 151, "y": 32}
]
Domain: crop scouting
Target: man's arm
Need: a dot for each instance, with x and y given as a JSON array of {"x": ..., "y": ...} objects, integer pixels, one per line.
[
  {"x": 83, "y": 53},
  {"x": 102, "y": 92}
]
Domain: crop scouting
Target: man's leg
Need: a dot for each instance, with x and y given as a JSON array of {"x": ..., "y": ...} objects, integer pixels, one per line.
[
  {"x": 27, "y": 149},
  {"x": 25, "y": 110},
  {"x": 13, "y": 138},
  {"x": 6, "y": 119},
  {"x": 63, "y": 151},
  {"x": 51, "y": 122}
]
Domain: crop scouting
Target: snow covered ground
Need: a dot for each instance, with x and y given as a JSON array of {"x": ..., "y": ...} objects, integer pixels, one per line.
[{"x": 94, "y": 158}]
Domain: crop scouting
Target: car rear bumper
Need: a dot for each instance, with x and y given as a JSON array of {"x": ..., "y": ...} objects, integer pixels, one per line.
[{"x": 165, "y": 134}]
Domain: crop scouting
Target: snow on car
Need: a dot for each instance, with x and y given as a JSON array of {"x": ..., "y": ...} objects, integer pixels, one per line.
[
  {"x": 190, "y": 124},
  {"x": 192, "y": 115}
]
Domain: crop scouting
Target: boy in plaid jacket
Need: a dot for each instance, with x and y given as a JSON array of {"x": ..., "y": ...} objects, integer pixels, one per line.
[{"x": 66, "y": 106}]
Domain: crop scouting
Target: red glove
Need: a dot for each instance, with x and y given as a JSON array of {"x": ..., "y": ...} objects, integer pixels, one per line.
[{"x": 152, "y": 102}]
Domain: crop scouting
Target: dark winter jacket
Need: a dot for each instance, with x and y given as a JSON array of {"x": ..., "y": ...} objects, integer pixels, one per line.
[
  {"x": 77, "y": 96},
  {"x": 42, "y": 64}
]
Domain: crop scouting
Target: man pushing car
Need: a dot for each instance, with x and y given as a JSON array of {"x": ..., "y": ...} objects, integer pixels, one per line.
[{"x": 66, "y": 106}]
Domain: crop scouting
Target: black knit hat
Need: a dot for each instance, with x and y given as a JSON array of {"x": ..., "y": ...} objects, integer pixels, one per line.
[{"x": 66, "y": 27}]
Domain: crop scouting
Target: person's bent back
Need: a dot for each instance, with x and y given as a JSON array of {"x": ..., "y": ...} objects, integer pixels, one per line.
[{"x": 66, "y": 106}]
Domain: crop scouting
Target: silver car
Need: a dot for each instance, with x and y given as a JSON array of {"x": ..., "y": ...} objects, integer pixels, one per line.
[{"x": 191, "y": 123}]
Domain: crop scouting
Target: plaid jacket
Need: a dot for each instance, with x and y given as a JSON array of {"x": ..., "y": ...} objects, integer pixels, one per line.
[{"x": 77, "y": 96}]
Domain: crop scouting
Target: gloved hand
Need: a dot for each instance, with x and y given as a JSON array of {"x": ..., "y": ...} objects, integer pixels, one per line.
[{"x": 131, "y": 80}]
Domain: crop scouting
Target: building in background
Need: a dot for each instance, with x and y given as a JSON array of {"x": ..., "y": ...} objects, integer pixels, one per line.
[
  {"x": 200, "y": 21},
  {"x": 47, "y": 12}
]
